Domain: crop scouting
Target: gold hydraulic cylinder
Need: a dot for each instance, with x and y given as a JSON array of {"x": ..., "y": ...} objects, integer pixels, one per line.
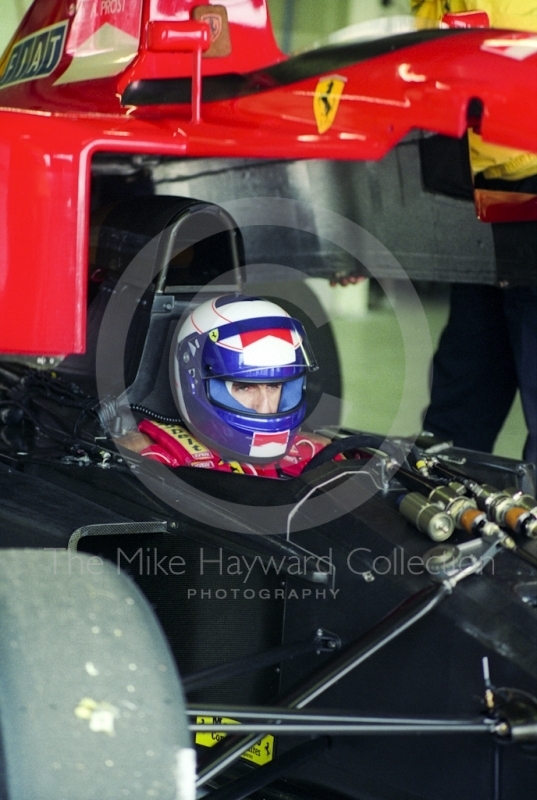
[{"x": 426, "y": 516}]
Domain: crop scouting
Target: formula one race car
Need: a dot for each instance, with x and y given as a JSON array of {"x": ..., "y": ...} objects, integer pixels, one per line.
[{"x": 369, "y": 623}]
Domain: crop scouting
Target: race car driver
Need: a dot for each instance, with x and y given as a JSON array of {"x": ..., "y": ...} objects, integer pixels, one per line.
[{"x": 238, "y": 371}]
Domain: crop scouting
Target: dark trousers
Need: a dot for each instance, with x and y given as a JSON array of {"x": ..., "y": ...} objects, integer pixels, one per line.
[{"x": 487, "y": 350}]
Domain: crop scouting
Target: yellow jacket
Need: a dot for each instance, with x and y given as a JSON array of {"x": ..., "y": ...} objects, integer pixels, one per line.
[{"x": 493, "y": 160}]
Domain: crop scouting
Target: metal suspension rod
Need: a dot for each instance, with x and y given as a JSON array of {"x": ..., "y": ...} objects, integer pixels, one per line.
[
  {"x": 292, "y": 715},
  {"x": 347, "y": 729}
]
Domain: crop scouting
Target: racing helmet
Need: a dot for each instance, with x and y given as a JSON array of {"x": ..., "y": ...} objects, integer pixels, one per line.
[{"x": 234, "y": 338}]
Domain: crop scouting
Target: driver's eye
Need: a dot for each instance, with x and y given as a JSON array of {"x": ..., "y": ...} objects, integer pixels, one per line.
[{"x": 251, "y": 387}]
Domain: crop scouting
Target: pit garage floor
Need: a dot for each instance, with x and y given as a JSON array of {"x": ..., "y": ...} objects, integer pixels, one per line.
[{"x": 373, "y": 361}]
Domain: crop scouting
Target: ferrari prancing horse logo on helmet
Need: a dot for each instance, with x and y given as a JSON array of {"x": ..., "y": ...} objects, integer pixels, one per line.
[
  {"x": 326, "y": 100},
  {"x": 213, "y": 335}
]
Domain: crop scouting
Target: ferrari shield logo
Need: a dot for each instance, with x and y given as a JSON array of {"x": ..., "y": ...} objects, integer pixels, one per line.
[
  {"x": 326, "y": 101},
  {"x": 213, "y": 335},
  {"x": 215, "y": 16},
  {"x": 214, "y": 21}
]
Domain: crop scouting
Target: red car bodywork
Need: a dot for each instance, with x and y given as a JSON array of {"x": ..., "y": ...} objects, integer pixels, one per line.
[{"x": 102, "y": 76}]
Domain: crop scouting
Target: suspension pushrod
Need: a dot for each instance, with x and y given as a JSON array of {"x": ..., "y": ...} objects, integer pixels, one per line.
[
  {"x": 292, "y": 715},
  {"x": 349, "y": 729}
]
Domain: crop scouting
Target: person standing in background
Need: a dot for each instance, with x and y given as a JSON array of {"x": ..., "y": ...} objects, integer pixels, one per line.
[{"x": 489, "y": 346}]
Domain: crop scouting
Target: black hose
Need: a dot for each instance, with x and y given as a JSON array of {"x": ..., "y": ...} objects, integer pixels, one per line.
[
  {"x": 415, "y": 482},
  {"x": 450, "y": 473}
]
